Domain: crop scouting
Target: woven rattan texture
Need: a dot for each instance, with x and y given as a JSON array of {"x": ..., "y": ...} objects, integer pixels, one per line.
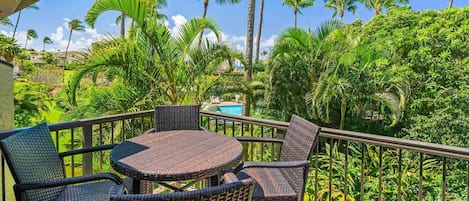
[
  {"x": 176, "y": 155},
  {"x": 92, "y": 191},
  {"x": 270, "y": 184},
  {"x": 32, "y": 156},
  {"x": 236, "y": 191},
  {"x": 299, "y": 141},
  {"x": 176, "y": 117},
  {"x": 276, "y": 184}
]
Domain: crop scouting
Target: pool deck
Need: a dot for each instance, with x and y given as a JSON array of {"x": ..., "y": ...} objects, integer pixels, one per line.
[{"x": 226, "y": 103}]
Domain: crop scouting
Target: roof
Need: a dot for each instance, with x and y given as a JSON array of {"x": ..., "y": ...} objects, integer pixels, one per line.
[{"x": 8, "y": 7}]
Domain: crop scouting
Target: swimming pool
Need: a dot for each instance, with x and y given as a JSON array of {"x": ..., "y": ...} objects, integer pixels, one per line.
[{"x": 231, "y": 109}]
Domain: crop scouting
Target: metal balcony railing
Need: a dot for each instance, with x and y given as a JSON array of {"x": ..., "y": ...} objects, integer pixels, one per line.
[{"x": 345, "y": 165}]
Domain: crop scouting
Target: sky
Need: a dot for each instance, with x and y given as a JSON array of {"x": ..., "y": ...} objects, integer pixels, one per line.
[{"x": 53, "y": 15}]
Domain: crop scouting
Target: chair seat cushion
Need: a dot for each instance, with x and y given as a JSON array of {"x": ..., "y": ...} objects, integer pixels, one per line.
[
  {"x": 92, "y": 191},
  {"x": 270, "y": 184}
]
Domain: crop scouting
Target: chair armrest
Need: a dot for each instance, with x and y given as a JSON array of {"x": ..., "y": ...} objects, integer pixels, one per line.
[
  {"x": 87, "y": 150},
  {"x": 204, "y": 129},
  {"x": 151, "y": 130},
  {"x": 229, "y": 178},
  {"x": 66, "y": 181},
  {"x": 258, "y": 139},
  {"x": 279, "y": 164}
]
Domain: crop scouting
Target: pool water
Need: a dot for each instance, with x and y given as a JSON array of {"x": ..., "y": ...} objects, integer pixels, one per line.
[{"x": 231, "y": 109}]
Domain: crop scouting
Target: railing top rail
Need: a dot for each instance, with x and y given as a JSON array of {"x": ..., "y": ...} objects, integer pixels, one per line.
[
  {"x": 398, "y": 143},
  {"x": 423, "y": 147},
  {"x": 245, "y": 119},
  {"x": 82, "y": 122}
]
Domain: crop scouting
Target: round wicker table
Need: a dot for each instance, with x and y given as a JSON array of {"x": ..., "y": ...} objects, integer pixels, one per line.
[{"x": 175, "y": 156}]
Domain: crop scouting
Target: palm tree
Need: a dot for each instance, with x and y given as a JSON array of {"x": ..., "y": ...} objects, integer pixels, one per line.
[
  {"x": 378, "y": 5},
  {"x": 450, "y": 3},
  {"x": 157, "y": 66},
  {"x": 46, "y": 40},
  {"x": 206, "y": 2},
  {"x": 259, "y": 30},
  {"x": 248, "y": 55},
  {"x": 74, "y": 25},
  {"x": 30, "y": 34},
  {"x": 340, "y": 6},
  {"x": 34, "y": 6},
  {"x": 6, "y": 21},
  {"x": 297, "y": 4}
]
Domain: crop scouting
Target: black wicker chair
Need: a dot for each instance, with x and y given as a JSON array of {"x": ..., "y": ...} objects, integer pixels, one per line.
[
  {"x": 284, "y": 179},
  {"x": 232, "y": 190},
  {"x": 176, "y": 117},
  {"x": 39, "y": 172}
]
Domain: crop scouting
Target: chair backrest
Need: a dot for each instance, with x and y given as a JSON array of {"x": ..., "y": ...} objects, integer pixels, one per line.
[
  {"x": 32, "y": 156},
  {"x": 235, "y": 191},
  {"x": 177, "y": 117},
  {"x": 300, "y": 138}
]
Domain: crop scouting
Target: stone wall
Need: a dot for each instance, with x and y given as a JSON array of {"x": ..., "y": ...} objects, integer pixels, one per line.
[{"x": 7, "y": 108}]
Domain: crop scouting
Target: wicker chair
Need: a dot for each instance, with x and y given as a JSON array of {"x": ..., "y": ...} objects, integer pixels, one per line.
[
  {"x": 232, "y": 190},
  {"x": 176, "y": 117},
  {"x": 39, "y": 172},
  {"x": 284, "y": 179}
]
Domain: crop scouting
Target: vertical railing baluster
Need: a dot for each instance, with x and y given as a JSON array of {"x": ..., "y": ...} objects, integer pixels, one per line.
[
  {"x": 467, "y": 181},
  {"x": 420, "y": 176},
  {"x": 73, "y": 156},
  {"x": 123, "y": 130},
  {"x": 443, "y": 181},
  {"x": 331, "y": 147},
  {"x": 346, "y": 171},
  {"x": 232, "y": 128},
  {"x": 316, "y": 182},
  {"x": 224, "y": 126},
  {"x": 57, "y": 140},
  {"x": 132, "y": 127},
  {"x": 142, "y": 124},
  {"x": 216, "y": 125},
  {"x": 112, "y": 132},
  {"x": 208, "y": 123},
  {"x": 273, "y": 145},
  {"x": 242, "y": 128},
  {"x": 362, "y": 174},
  {"x": 262, "y": 144},
  {"x": 380, "y": 174},
  {"x": 101, "y": 143},
  {"x": 399, "y": 179}
]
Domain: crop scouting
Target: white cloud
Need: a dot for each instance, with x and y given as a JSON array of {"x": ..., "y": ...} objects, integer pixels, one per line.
[
  {"x": 178, "y": 21},
  {"x": 80, "y": 40},
  {"x": 269, "y": 42}
]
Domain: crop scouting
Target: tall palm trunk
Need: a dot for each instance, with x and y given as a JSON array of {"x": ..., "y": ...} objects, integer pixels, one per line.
[
  {"x": 122, "y": 25},
  {"x": 259, "y": 30},
  {"x": 342, "y": 12},
  {"x": 296, "y": 16},
  {"x": 68, "y": 45},
  {"x": 450, "y": 3},
  {"x": 16, "y": 25},
  {"x": 203, "y": 16},
  {"x": 249, "y": 44},
  {"x": 378, "y": 10}
]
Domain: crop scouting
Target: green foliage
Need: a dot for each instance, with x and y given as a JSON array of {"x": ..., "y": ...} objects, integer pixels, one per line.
[
  {"x": 30, "y": 100},
  {"x": 8, "y": 47}
]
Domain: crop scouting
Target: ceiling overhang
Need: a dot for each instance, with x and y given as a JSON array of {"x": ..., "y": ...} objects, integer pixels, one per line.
[{"x": 8, "y": 7}]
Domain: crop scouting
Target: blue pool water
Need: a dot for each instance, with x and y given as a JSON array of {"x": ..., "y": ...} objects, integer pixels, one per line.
[{"x": 231, "y": 109}]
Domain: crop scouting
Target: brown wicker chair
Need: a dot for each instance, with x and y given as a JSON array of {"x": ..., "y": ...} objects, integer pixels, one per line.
[
  {"x": 176, "y": 117},
  {"x": 284, "y": 179},
  {"x": 39, "y": 172},
  {"x": 232, "y": 190}
]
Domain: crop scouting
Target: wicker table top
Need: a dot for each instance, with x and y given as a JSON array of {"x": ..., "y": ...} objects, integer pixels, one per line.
[{"x": 176, "y": 155}]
